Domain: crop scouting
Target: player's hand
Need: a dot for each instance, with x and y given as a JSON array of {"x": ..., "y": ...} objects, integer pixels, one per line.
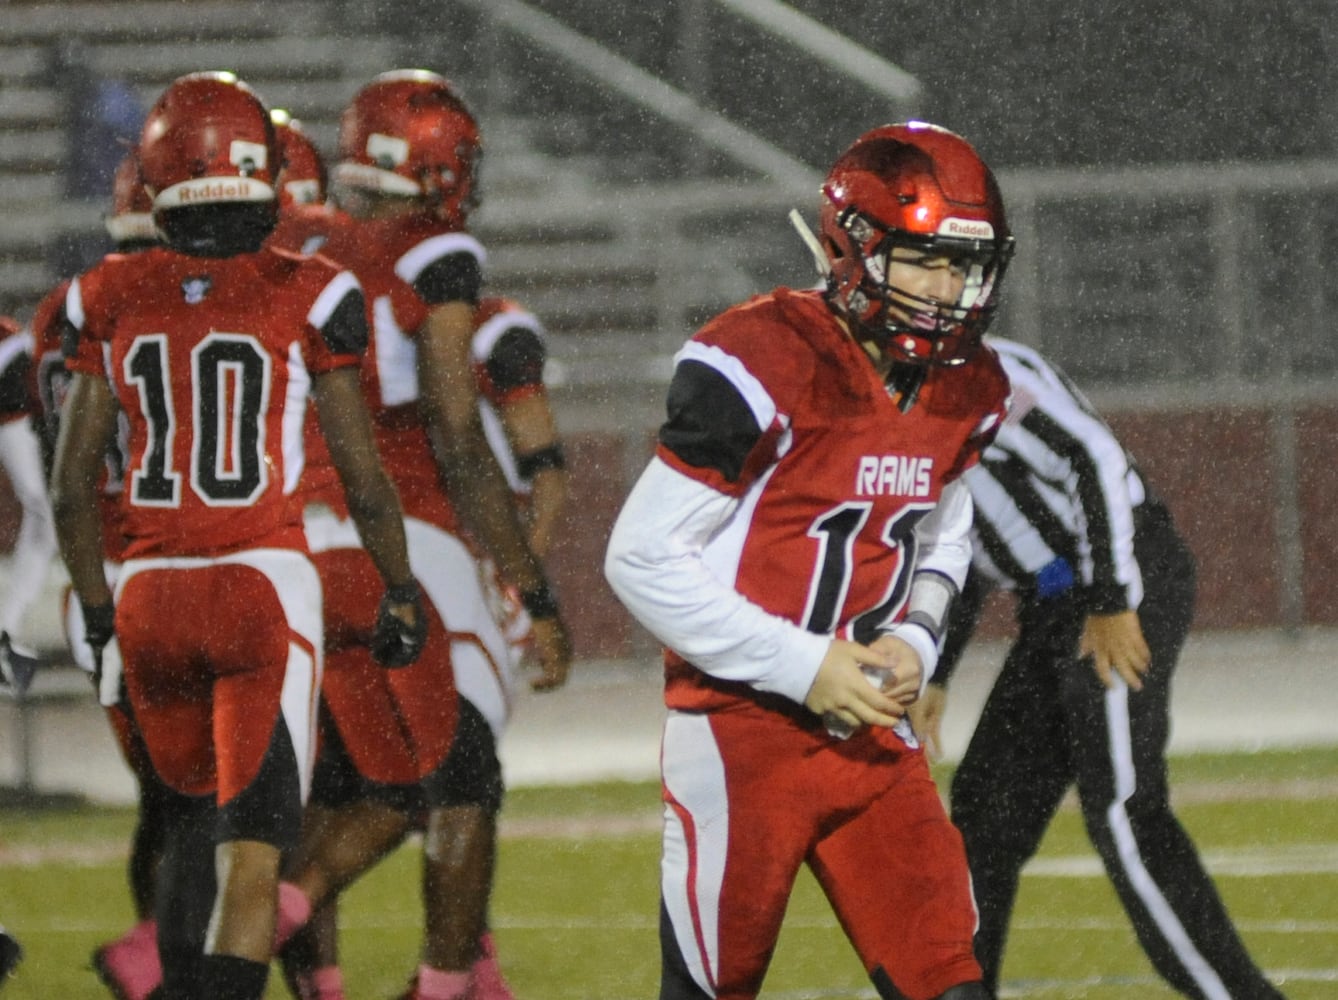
[
  {"x": 1117, "y": 648},
  {"x": 926, "y": 717},
  {"x": 400, "y": 632},
  {"x": 842, "y": 693},
  {"x": 552, "y": 646},
  {"x": 906, "y": 666}
]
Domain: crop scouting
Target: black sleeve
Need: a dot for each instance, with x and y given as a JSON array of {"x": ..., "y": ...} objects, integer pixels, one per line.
[
  {"x": 53, "y": 381},
  {"x": 709, "y": 424},
  {"x": 456, "y": 277},
  {"x": 69, "y": 335},
  {"x": 345, "y": 332},
  {"x": 517, "y": 359},
  {"x": 963, "y": 617},
  {"x": 15, "y": 397}
]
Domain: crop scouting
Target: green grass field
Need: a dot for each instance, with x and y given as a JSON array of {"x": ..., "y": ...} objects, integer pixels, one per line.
[{"x": 576, "y": 900}]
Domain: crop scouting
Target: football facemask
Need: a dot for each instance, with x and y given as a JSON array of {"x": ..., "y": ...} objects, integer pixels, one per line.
[{"x": 945, "y": 301}]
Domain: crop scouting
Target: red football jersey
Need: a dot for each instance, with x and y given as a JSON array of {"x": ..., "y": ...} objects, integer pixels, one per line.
[
  {"x": 831, "y": 476},
  {"x": 405, "y": 266},
  {"x": 211, "y": 360}
]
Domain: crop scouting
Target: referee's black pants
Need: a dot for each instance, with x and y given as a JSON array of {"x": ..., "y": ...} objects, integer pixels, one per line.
[{"x": 1048, "y": 723}]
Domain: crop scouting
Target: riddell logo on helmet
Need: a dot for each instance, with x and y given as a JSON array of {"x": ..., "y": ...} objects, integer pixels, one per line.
[
  {"x": 239, "y": 190},
  {"x": 967, "y": 228},
  {"x": 211, "y": 190}
]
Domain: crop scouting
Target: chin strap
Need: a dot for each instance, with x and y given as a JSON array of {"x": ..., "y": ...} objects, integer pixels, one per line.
[
  {"x": 820, "y": 260},
  {"x": 905, "y": 381}
]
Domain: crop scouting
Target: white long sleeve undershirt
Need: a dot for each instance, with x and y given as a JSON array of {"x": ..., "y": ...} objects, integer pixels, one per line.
[{"x": 654, "y": 564}]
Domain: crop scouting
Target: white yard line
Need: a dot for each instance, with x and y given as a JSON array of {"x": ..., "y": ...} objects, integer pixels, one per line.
[{"x": 1253, "y": 861}]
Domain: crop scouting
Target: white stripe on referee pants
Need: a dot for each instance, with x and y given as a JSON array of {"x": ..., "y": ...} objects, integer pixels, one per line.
[{"x": 1122, "y": 760}]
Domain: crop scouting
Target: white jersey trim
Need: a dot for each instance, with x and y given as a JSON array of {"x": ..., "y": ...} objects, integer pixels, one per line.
[
  {"x": 753, "y": 392},
  {"x": 331, "y": 295},
  {"x": 421, "y": 255},
  {"x": 296, "y": 399},
  {"x": 487, "y": 335},
  {"x": 695, "y": 843}
]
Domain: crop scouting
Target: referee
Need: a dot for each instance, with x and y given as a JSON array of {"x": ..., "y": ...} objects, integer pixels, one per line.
[{"x": 1105, "y": 594}]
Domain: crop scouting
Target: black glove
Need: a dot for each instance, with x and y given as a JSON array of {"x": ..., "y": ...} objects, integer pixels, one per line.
[
  {"x": 99, "y": 625},
  {"x": 99, "y": 629},
  {"x": 395, "y": 643}
]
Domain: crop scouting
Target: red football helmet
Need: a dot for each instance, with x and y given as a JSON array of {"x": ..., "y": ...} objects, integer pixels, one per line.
[
  {"x": 302, "y": 169},
  {"x": 210, "y": 159},
  {"x": 208, "y": 139},
  {"x": 921, "y": 187},
  {"x": 409, "y": 133},
  {"x": 131, "y": 217}
]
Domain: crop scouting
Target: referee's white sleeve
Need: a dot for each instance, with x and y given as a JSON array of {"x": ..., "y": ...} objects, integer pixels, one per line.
[{"x": 34, "y": 551}]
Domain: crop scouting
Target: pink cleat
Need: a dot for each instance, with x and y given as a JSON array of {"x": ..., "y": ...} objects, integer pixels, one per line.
[
  {"x": 487, "y": 983},
  {"x": 129, "y": 966},
  {"x": 293, "y": 913},
  {"x": 434, "y": 984},
  {"x": 323, "y": 984}
]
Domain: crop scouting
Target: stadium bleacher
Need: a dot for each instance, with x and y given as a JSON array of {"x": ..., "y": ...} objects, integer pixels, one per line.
[{"x": 1154, "y": 287}]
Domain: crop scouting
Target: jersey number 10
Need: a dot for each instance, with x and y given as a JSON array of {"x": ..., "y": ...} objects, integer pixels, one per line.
[{"x": 229, "y": 400}]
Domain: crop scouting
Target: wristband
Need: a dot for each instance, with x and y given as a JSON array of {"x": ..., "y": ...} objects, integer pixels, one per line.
[
  {"x": 539, "y": 601},
  {"x": 920, "y": 639},
  {"x": 534, "y": 462}
]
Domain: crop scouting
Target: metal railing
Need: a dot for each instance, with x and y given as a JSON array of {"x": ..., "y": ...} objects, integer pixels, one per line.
[{"x": 1183, "y": 280}]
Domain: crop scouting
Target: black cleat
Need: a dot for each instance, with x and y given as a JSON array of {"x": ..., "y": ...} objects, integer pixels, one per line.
[
  {"x": 17, "y": 665},
  {"x": 11, "y": 954}
]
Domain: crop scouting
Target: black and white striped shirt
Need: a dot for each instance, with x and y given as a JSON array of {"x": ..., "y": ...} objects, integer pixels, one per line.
[{"x": 1056, "y": 484}]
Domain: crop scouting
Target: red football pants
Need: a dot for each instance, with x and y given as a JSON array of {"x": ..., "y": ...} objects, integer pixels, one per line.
[
  {"x": 750, "y": 795},
  {"x": 396, "y": 725},
  {"x": 214, "y": 650}
]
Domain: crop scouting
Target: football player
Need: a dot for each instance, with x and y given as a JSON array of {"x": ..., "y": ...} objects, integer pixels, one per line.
[
  {"x": 128, "y": 965},
  {"x": 303, "y": 179},
  {"x": 795, "y": 544},
  {"x": 408, "y": 148},
  {"x": 1104, "y": 586},
  {"x": 210, "y": 346},
  {"x": 35, "y": 547},
  {"x": 509, "y": 352},
  {"x": 11, "y": 954}
]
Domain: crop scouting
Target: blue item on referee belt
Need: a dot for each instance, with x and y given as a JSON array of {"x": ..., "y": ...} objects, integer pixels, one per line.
[{"x": 1054, "y": 578}]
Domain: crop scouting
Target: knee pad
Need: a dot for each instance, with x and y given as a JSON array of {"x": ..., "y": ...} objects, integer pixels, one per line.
[
  {"x": 269, "y": 809},
  {"x": 471, "y": 774},
  {"x": 336, "y": 782}
]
